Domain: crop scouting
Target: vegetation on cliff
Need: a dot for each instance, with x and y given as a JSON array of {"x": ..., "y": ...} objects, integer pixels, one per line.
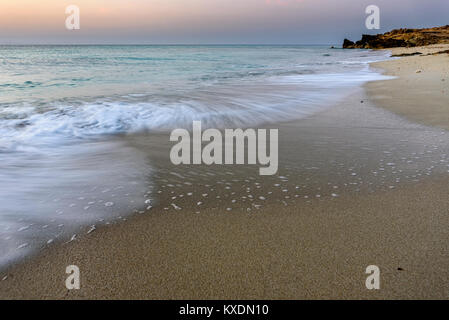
[{"x": 401, "y": 38}]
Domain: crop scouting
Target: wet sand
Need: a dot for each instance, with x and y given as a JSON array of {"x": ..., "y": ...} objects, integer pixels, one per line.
[{"x": 357, "y": 186}]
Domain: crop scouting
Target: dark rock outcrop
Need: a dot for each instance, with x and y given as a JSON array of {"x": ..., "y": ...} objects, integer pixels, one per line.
[
  {"x": 401, "y": 38},
  {"x": 347, "y": 44}
]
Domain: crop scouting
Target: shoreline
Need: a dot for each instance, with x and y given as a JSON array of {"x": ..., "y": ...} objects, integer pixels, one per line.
[{"x": 304, "y": 247}]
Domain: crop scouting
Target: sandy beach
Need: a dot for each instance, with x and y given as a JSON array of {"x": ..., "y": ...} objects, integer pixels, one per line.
[
  {"x": 362, "y": 183},
  {"x": 421, "y": 90}
]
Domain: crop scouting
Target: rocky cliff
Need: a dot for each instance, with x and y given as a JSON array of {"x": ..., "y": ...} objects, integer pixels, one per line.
[{"x": 401, "y": 38}]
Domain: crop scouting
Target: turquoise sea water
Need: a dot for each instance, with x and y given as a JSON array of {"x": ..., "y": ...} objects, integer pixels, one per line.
[
  {"x": 52, "y": 92},
  {"x": 60, "y": 104},
  {"x": 46, "y": 73}
]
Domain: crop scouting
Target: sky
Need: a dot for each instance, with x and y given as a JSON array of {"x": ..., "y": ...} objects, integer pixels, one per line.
[{"x": 209, "y": 21}]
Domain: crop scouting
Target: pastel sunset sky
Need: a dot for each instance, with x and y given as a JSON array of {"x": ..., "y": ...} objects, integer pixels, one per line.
[{"x": 210, "y": 21}]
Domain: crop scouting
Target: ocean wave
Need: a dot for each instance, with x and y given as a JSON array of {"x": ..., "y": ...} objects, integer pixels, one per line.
[
  {"x": 282, "y": 98},
  {"x": 251, "y": 74}
]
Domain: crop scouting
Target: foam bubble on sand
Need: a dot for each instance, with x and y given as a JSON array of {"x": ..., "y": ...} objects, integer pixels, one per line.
[
  {"x": 23, "y": 245},
  {"x": 91, "y": 229}
]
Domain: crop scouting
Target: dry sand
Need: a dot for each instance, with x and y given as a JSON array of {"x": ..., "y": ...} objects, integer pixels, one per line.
[
  {"x": 357, "y": 186},
  {"x": 421, "y": 91}
]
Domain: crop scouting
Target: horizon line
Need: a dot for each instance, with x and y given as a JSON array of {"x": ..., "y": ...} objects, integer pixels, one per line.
[{"x": 167, "y": 44}]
